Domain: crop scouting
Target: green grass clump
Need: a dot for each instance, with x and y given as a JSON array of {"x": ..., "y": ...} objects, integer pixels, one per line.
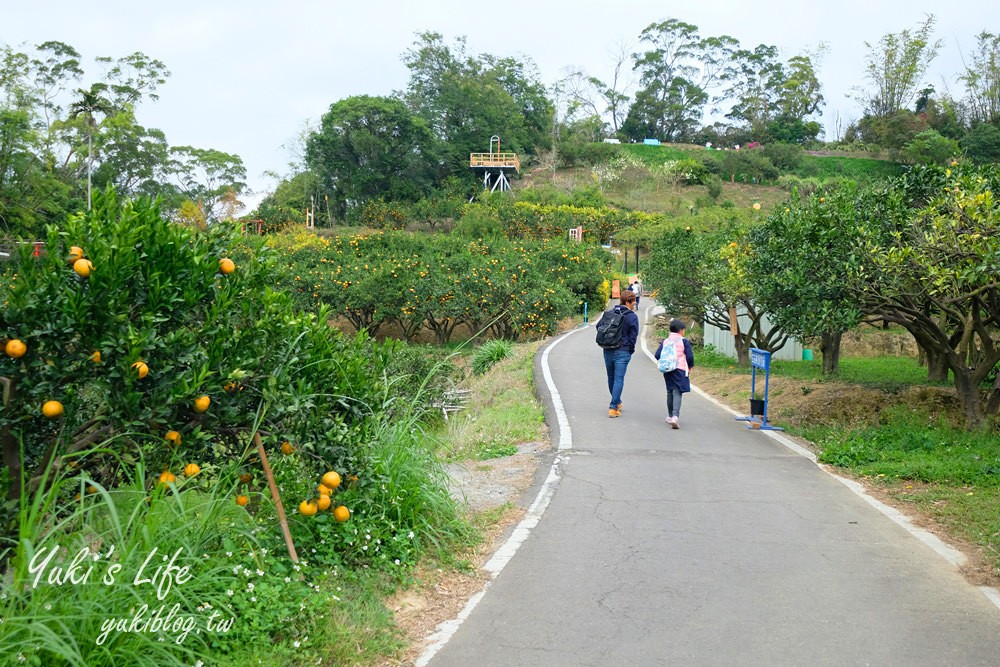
[{"x": 489, "y": 353}]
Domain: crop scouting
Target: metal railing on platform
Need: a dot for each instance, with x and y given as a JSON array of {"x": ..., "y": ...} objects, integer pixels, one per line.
[{"x": 500, "y": 160}]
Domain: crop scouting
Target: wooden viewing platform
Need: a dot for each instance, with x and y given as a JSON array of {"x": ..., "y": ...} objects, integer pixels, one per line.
[{"x": 495, "y": 161}]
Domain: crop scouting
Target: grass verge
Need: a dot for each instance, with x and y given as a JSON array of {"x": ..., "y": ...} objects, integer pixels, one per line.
[{"x": 501, "y": 412}]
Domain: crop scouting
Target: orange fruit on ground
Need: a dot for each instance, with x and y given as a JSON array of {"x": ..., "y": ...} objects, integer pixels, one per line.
[
  {"x": 341, "y": 513},
  {"x": 96, "y": 357},
  {"x": 323, "y": 502},
  {"x": 173, "y": 437},
  {"x": 15, "y": 348},
  {"x": 167, "y": 477},
  {"x": 52, "y": 409},
  {"x": 242, "y": 501},
  {"x": 83, "y": 267},
  {"x": 287, "y": 448},
  {"x": 246, "y": 478},
  {"x": 141, "y": 368},
  {"x": 75, "y": 253},
  {"x": 201, "y": 403},
  {"x": 307, "y": 508},
  {"x": 192, "y": 469},
  {"x": 331, "y": 480},
  {"x": 226, "y": 266},
  {"x": 756, "y": 206},
  {"x": 324, "y": 490}
]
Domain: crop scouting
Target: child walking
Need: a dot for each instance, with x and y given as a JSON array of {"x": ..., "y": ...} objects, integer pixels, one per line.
[{"x": 678, "y": 380}]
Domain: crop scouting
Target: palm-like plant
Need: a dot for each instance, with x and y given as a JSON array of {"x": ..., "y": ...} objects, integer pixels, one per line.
[{"x": 87, "y": 106}]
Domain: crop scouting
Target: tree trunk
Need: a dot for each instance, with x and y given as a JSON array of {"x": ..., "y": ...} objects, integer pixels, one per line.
[
  {"x": 968, "y": 397},
  {"x": 830, "y": 349},
  {"x": 937, "y": 367},
  {"x": 742, "y": 350}
]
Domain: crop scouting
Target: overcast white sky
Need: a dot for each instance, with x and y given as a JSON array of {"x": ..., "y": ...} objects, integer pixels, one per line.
[{"x": 247, "y": 75}]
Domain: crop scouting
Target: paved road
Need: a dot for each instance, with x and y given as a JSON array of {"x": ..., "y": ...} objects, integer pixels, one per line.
[{"x": 710, "y": 545}]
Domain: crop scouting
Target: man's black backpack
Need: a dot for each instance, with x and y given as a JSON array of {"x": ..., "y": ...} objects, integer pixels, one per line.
[{"x": 610, "y": 329}]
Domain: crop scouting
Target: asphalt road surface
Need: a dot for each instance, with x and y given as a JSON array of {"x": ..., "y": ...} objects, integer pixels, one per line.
[{"x": 710, "y": 545}]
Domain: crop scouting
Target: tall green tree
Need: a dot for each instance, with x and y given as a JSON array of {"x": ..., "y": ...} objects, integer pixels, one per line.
[
  {"x": 466, "y": 100},
  {"x": 982, "y": 80},
  {"x": 754, "y": 81},
  {"x": 797, "y": 266},
  {"x": 207, "y": 177},
  {"x": 372, "y": 147},
  {"x": 895, "y": 68},
  {"x": 677, "y": 72},
  {"x": 88, "y": 105}
]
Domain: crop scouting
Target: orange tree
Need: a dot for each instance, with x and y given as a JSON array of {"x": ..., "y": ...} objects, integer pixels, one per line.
[
  {"x": 135, "y": 375},
  {"x": 440, "y": 281},
  {"x": 932, "y": 268},
  {"x": 130, "y": 350}
]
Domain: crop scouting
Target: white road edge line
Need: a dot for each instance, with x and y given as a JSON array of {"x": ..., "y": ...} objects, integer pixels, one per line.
[
  {"x": 943, "y": 549},
  {"x": 446, "y": 629}
]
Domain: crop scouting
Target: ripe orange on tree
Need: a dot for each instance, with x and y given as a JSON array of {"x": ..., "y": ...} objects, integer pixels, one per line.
[
  {"x": 96, "y": 357},
  {"x": 75, "y": 253},
  {"x": 331, "y": 479},
  {"x": 242, "y": 501},
  {"x": 15, "y": 348},
  {"x": 324, "y": 490},
  {"x": 226, "y": 266},
  {"x": 83, "y": 267},
  {"x": 287, "y": 448},
  {"x": 307, "y": 508},
  {"x": 341, "y": 513},
  {"x": 167, "y": 477},
  {"x": 192, "y": 469},
  {"x": 172, "y": 437},
  {"x": 141, "y": 368},
  {"x": 229, "y": 387},
  {"x": 201, "y": 403},
  {"x": 52, "y": 409},
  {"x": 323, "y": 502}
]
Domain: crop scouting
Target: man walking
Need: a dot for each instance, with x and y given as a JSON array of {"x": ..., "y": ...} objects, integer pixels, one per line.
[{"x": 616, "y": 358}]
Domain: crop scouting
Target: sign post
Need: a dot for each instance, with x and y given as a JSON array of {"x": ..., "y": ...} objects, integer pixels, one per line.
[{"x": 759, "y": 359}]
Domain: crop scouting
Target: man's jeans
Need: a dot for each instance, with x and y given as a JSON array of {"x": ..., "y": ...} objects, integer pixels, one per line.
[{"x": 616, "y": 361}]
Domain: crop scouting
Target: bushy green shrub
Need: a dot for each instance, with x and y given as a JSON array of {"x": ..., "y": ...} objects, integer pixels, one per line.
[
  {"x": 786, "y": 157},
  {"x": 489, "y": 353}
]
